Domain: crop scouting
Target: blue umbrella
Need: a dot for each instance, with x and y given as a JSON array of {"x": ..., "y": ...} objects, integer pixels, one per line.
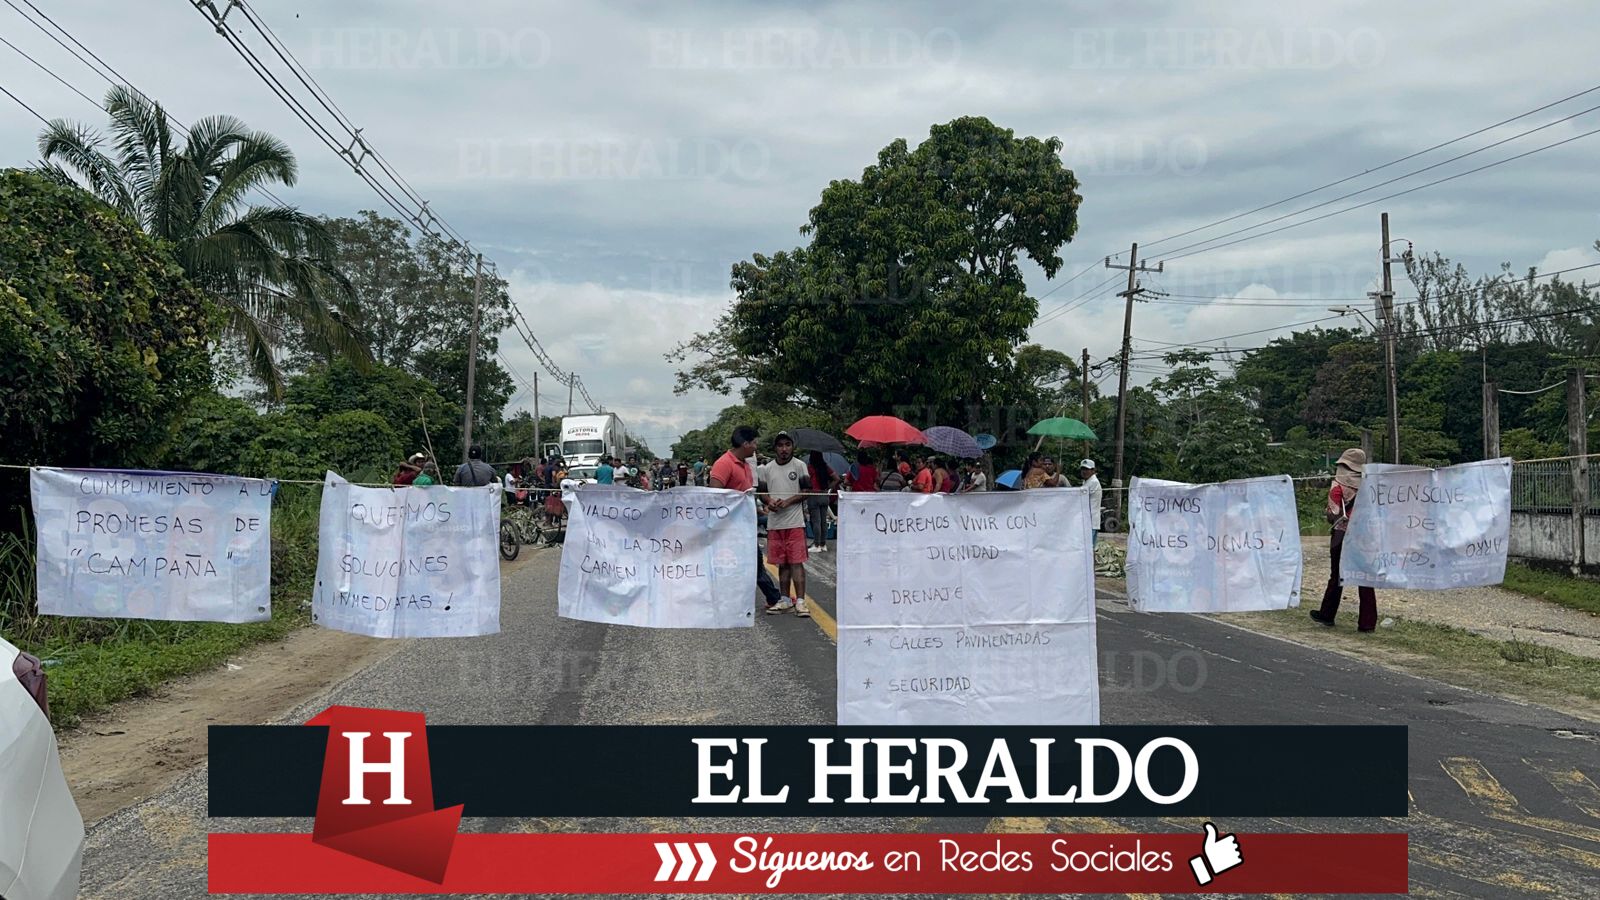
[
  {"x": 1009, "y": 479},
  {"x": 953, "y": 441},
  {"x": 837, "y": 463},
  {"x": 986, "y": 441}
]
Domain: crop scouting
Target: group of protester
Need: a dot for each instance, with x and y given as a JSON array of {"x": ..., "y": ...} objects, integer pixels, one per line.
[{"x": 420, "y": 470}]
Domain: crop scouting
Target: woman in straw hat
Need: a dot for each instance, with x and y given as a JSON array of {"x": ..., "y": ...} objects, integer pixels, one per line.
[{"x": 1341, "y": 499}]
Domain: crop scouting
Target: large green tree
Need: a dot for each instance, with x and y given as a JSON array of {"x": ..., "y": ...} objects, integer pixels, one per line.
[
  {"x": 267, "y": 265},
  {"x": 103, "y": 342},
  {"x": 910, "y": 292},
  {"x": 414, "y": 293}
]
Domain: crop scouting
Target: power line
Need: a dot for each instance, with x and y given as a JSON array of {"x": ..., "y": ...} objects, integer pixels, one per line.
[
  {"x": 1178, "y": 253},
  {"x": 24, "y": 105},
  {"x": 1386, "y": 165},
  {"x": 1367, "y": 203},
  {"x": 100, "y": 68},
  {"x": 423, "y": 217}
]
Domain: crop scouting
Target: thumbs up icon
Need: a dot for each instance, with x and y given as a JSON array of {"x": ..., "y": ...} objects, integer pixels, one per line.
[{"x": 1219, "y": 854}]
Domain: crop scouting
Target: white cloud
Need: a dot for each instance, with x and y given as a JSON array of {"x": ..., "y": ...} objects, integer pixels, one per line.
[{"x": 1173, "y": 119}]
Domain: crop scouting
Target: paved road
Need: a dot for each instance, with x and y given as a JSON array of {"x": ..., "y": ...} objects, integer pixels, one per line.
[{"x": 1504, "y": 801}]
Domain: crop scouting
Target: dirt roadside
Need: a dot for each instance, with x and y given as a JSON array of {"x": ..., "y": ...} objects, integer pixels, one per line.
[{"x": 136, "y": 748}]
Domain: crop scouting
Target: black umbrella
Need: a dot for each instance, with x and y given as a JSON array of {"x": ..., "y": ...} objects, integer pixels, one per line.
[{"x": 812, "y": 439}]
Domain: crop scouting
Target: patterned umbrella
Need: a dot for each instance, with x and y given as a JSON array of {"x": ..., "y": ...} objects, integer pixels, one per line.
[{"x": 952, "y": 441}]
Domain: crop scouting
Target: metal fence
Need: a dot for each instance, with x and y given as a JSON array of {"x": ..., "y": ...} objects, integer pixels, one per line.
[{"x": 1545, "y": 486}]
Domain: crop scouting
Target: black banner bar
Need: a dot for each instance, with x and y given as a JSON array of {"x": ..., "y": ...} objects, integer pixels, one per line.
[{"x": 515, "y": 771}]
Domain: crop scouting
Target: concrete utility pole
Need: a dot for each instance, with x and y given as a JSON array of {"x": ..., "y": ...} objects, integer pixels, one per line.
[
  {"x": 1133, "y": 291},
  {"x": 571, "y": 380},
  {"x": 538, "y": 448},
  {"x": 1578, "y": 449},
  {"x": 1491, "y": 420},
  {"x": 1390, "y": 333},
  {"x": 472, "y": 360},
  {"x": 1083, "y": 380}
]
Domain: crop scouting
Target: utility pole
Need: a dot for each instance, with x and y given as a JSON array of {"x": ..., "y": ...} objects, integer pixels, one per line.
[
  {"x": 571, "y": 380},
  {"x": 1083, "y": 379},
  {"x": 472, "y": 360},
  {"x": 1133, "y": 291},
  {"x": 1390, "y": 332},
  {"x": 537, "y": 447},
  {"x": 1578, "y": 449}
]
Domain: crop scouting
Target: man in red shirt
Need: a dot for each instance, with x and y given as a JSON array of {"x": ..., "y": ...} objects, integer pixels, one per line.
[
  {"x": 923, "y": 483},
  {"x": 409, "y": 469},
  {"x": 733, "y": 471}
]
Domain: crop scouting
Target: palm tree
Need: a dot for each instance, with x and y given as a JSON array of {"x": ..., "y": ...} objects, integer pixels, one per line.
[{"x": 268, "y": 266}]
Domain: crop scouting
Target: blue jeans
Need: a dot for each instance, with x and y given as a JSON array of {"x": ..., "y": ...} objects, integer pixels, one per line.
[{"x": 764, "y": 582}]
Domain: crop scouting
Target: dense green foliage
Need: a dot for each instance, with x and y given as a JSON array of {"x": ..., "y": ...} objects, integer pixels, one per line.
[
  {"x": 910, "y": 291},
  {"x": 102, "y": 341}
]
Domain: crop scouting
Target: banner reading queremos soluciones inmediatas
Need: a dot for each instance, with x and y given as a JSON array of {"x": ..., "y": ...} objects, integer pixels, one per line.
[
  {"x": 1429, "y": 529},
  {"x": 684, "y": 558},
  {"x": 176, "y": 546},
  {"x": 967, "y": 609},
  {"x": 408, "y": 562},
  {"x": 1208, "y": 548}
]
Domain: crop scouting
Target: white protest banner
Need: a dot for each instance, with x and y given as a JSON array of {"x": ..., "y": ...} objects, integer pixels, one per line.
[
  {"x": 408, "y": 562},
  {"x": 1429, "y": 529},
  {"x": 684, "y": 558},
  {"x": 1209, "y": 548},
  {"x": 178, "y": 546},
  {"x": 967, "y": 609}
]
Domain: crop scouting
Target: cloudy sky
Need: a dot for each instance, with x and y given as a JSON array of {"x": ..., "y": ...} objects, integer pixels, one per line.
[{"x": 615, "y": 159}]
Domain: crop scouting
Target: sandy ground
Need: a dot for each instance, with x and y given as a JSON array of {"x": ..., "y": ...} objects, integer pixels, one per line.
[
  {"x": 137, "y": 748},
  {"x": 1490, "y": 611}
]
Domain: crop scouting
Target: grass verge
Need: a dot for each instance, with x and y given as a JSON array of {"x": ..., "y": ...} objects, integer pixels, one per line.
[
  {"x": 92, "y": 676},
  {"x": 93, "y": 663},
  {"x": 1556, "y": 587},
  {"x": 1516, "y": 668}
]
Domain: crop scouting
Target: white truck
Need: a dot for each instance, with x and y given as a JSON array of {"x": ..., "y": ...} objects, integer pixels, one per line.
[{"x": 584, "y": 439}]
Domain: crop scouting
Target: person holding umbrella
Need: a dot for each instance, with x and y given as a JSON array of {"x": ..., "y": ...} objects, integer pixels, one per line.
[{"x": 1341, "y": 499}]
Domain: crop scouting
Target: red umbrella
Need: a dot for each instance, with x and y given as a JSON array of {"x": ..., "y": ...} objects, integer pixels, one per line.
[{"x": 886, "y": 430}]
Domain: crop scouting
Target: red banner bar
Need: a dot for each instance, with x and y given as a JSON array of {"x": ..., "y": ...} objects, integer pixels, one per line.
[{"x": 834, "y": 863}]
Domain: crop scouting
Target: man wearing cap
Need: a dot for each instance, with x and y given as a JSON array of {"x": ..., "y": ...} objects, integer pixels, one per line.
[
  {"x": 784, "y": 481},
  {"x": 407, "y": 473},
  {"x": 1086, "y": 474},
  {"x": 1341, "y": 499}
]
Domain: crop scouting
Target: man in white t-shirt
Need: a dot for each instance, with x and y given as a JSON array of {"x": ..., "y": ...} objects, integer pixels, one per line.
[
  {"x": 1092, "y": 482},
  {"x": 782, "y": 483},
  {"x": 977, "y": 481}
]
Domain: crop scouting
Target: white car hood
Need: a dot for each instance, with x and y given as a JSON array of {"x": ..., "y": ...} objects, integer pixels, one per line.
[{"x": 41, "y": 832}]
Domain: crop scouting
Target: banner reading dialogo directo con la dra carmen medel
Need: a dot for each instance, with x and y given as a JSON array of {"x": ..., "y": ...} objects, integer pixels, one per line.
[
  {"x": 684, "y": 558},
  {"x": 408, "y": 562},
  {"x": 178, "y": 546}
]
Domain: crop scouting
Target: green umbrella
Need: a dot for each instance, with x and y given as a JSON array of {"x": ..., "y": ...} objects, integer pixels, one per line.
[{"x": 1063, "y": 427}]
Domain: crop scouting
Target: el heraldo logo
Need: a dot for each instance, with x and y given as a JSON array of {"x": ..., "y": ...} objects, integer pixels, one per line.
[{"x": 376, "y": 799}]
